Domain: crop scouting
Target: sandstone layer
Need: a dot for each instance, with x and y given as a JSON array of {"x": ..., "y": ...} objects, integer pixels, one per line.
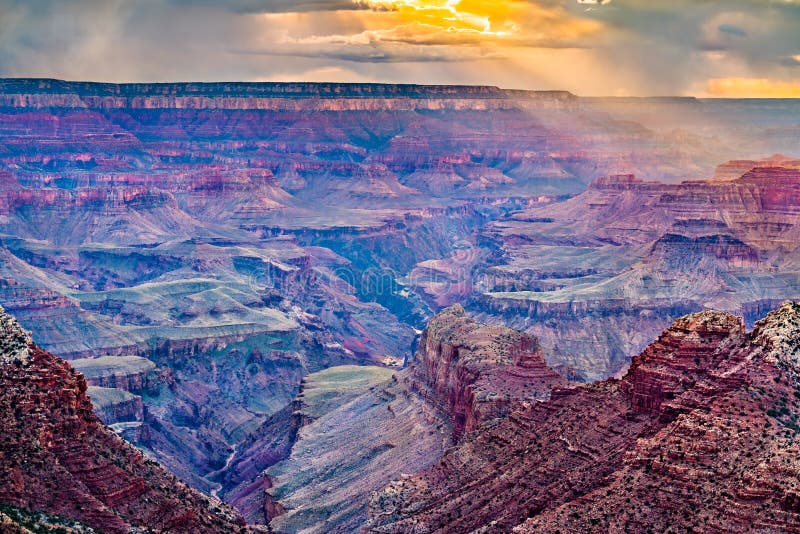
[
  {"x": 627, "y": 255},
  {"x": 349, "y": 441},
  {"x": 243, "y": 236}
]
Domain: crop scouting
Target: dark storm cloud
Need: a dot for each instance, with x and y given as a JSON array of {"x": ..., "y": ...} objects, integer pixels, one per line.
[
  {"x": 270, "y": 6},
  {"x": 732, "y": 30}
]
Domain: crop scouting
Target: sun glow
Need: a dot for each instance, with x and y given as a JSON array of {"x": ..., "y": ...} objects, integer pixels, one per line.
[
  {"x": 450, "y": 15},
  {"x": 519, "y": 43},
  {"x": 502, "y": 23}
]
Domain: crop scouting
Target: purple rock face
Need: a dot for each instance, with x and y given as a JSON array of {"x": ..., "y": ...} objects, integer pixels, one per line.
[
  {"x": 197, "y": 249},
  {"x": 625, "y": 254}
]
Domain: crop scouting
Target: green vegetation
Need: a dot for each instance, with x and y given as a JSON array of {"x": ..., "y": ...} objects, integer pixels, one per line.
[{"x": 37, "y": 522}]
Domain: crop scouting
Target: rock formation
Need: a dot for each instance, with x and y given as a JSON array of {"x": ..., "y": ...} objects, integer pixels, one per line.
[
  {"x": 241, "y": 236},
  {"x": 473, "y": 373},
  {"x": 16, "y": 521},
  {"x": 57, "y": 457},
  {"x": 627, "y": 255},
  {"x": 699, "y": 435},
  {"x": 354, "y": 429}
]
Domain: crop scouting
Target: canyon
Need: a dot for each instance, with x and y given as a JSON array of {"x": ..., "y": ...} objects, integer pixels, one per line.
[
  {"x": 465, "y": 376},
  {"x": 623, "y": 251},
  {"x": 247, "y": 274},
  {"x": 478, "y": 433}
]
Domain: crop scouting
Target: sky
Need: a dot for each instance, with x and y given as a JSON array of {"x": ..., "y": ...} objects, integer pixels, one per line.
[{"x": 725, "y": 48}]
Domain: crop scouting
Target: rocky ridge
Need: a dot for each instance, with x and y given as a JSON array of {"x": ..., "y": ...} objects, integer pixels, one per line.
[
  {"x": 57, "y": 457},
  {"x": 699, "y": 435},
  {"x": 15, "y": 342},
  {"x": 473, "y": 373},
  {"x": 44, "y": 93},
  {"x": 243, "y": 236},
  {"x": 346, "y": 443}
]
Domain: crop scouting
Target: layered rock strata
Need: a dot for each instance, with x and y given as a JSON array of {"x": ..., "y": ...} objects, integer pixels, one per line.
[
  {"x": 242, "y": 236},
  {"x": 628, "y": 256},
  {"x": 348, "y": 441},
  {"x": 699, "y": 435},
  {"x": 57, "y": 457},
  {"x": 473, "y": 373}
]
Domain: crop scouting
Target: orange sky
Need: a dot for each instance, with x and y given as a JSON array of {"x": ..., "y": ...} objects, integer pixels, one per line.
[{"x": 747, "y": 87}]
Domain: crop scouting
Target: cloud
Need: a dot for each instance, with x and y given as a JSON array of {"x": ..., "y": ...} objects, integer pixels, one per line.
[
  {"x": 731, "y": 29},
  {"x": 270, "y": 6},
  {"x": 752, "y": 88},
  {"x": 471, "y": 22},
  {"x": 422, "y": 31},
  {"x": 350, "y": 49},
  {"x": 586, "y": 46},
  {"x": 791, "y": 61}
]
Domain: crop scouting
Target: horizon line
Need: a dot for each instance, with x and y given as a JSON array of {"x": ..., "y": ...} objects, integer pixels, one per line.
[{"x": 386, "y": 84}]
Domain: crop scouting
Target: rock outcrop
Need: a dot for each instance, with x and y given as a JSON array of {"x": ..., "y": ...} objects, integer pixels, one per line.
[
  {"x": 474, "y": 373},
  {"x": 629, "y": 255},
  {"x": 699, "y": 435},
  {"x": 353, "y": 429},
  {"x": 16, "y": 521},
  {"x": 129, "y": 373},
  {"x": 354, "y": 440},
  {"x": 57, "y": 457},
  {"x": 114, "y": 405}
]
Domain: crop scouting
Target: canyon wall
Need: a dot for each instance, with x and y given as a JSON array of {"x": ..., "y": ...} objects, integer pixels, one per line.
[
  {"x": 627, "y": 254},
  {"x": 274, "y": 96},
  {"x": 241, "y": 236},
  {"x": 56, "y": 456},
  {"x": 696, "y": 436},
  {"x": 348, "y": 441},
  {"x": 473, "y": 373}
]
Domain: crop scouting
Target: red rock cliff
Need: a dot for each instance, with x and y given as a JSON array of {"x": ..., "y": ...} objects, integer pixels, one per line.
[
  {"x": 699, "y": 436},
  {"x": 56, "y": 456},
  {"x": 474, "y": 372}
]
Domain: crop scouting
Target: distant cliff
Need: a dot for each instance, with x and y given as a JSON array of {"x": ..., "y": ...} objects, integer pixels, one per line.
[{"x": 44, "y": 93}]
